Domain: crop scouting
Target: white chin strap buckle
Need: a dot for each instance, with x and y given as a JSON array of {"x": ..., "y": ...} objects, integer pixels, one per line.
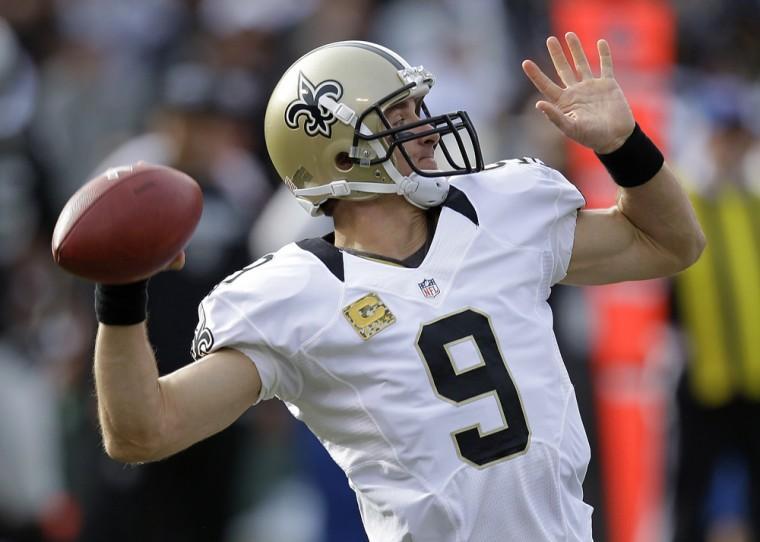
[{"x": 339, "y": 188}]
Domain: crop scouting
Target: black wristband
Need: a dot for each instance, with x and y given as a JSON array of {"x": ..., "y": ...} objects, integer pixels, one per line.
[
  {"x": 121, "y": 304},
  {"x": 636, "y": 162}
]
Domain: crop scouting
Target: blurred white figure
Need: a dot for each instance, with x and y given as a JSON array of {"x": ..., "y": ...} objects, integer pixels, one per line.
[
  {"x": 283, "y": 221},
  {"x": 224, "y": 17},
  {"x": 30, "y": 450}
]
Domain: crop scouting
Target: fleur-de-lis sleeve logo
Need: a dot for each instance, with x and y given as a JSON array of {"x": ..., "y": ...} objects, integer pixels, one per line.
[
  {"x": 203, "y": 341},
  {"x": 318, "y": 119}
]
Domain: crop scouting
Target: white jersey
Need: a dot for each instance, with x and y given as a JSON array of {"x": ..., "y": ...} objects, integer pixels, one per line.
[{"x": 439, "y": 390}]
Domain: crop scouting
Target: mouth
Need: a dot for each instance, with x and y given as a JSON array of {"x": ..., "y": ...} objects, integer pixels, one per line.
[{"x": 428, "y": 162}]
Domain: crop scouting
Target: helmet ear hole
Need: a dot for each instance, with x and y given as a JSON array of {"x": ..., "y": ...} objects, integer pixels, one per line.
[{"x": 343, "y": 161}]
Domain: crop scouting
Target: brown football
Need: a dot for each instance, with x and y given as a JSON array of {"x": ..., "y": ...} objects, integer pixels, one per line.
[{"x": 127, "y": 223}]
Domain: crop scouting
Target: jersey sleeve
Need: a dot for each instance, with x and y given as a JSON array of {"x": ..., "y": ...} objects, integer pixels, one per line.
[
  {"x": 252, "y": 312},
  {"x": 568, "y": 201},
  {"x": 222, "y": 323},
  {"x": 528, "y": 204}
]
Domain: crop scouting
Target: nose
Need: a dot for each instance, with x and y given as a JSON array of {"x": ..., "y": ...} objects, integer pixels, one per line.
[{"x": 429, "y": 139}]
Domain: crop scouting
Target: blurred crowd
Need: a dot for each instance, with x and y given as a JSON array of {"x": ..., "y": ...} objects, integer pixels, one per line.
[{"x": 87, "y": 84}]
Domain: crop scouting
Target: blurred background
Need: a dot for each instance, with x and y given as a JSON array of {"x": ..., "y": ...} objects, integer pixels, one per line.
[{"x": 667, "y": 372}]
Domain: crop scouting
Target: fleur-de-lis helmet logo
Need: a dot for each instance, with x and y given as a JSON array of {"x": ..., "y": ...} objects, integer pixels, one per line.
[{"x": 318, "y": 118}]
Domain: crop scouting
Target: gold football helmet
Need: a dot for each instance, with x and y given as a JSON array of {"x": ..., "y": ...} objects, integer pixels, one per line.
[{"x": 328, "y": 136}]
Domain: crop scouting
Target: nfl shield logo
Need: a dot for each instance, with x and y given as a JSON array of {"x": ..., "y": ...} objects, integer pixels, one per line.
[{"x": 429, "y": 288}]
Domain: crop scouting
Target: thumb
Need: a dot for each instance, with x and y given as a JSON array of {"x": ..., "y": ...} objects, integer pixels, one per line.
[{"x": 177, "y": 263}]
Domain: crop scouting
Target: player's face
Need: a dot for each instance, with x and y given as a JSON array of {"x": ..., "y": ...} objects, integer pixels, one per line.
[{"x": 422, "y": 150}]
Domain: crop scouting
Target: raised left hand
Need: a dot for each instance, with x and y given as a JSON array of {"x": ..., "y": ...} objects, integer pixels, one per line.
[{"x": 590, "y": 110}]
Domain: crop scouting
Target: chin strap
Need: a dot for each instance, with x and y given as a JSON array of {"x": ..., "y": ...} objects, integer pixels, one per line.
[{"x": 423, "y": 192}]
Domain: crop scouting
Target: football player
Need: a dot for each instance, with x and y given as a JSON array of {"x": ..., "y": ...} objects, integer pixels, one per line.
[{"x": 415, "y": 341}]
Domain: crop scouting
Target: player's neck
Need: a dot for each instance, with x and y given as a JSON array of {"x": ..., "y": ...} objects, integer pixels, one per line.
[{"x": 387, "y": 226}]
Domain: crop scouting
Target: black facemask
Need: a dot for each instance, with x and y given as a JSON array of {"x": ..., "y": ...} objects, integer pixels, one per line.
[{"x": 449, "y": 124}]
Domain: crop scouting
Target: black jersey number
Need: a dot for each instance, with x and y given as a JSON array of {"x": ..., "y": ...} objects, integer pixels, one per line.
[
  {"x": 261, "y": 261},
  {"x": 489, "y": 376}
]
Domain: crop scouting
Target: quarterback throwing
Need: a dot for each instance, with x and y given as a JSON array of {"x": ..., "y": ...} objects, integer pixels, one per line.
[{"x": 415, "y": 341}]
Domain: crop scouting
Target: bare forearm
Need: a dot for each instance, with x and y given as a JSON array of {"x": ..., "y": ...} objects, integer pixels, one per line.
[
  {"x": 651, "y": 232},
  {"x": 661, "y": 211},
  {"x": 129, "y": 397}
]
